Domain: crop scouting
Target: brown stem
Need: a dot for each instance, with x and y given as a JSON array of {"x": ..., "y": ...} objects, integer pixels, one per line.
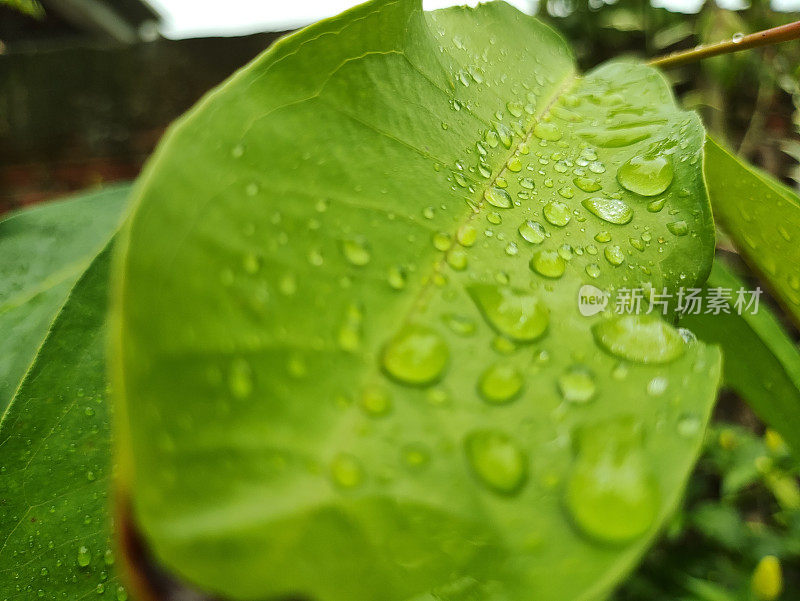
[{"x": 782, "y": 33}]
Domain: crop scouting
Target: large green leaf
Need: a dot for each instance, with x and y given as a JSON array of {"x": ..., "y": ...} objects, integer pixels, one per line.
[
  {"x": 762, "y": 216},
  {"x": 55, "y": 450},
  {"x": 762, "y": 363},
  {"x": 330, "y": 257},
  {"x": 43, "y": 251}
]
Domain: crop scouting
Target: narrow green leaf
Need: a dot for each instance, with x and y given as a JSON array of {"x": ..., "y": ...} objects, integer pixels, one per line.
[
  {"x": 762, "y": 216},
  {"x": 43, "y": 252},
  {"x": 55, "y": 540},
  {"x": 762, "y": 364},
  {"x": 346, "y": 313}
]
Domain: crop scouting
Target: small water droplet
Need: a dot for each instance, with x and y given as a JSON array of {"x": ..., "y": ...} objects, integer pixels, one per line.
[
  {"x": 467, "y": 234},
  {"x": 240, "y": 379},
  {"x": 397, "y": 277},
  {"x": 515, "y": 108},
  {"x": 678, "y": 228},
  {"x": 500, "y": 383},
  {"x": 84, "y": 557},
  {"x": 614, "y": 255},
  {"x": 577, "y": 385},
  {"x": 532, "y": 231},
  {"x": 548, "y": 263},
  {"x": 497, "y": 461},
  {"x": 457, "y": 259},
  {"x": 514, "y": 165},
  {"x": 346, "y": 471},
  {"x": 416, "y": 356},
  {"x": 556, "y": 213},
  {"x": 375, "y": 401},
  {"x": 497, "y": 197},
  {"x": 442, "y": 241}
]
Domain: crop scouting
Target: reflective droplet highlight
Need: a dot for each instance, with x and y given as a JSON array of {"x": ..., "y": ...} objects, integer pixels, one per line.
[
  {"x": 577, "y": 385},
  {"x": 548, "y": 263},
  {"x": 556, "y": 213},
  {"x": 497, "y": 197}
]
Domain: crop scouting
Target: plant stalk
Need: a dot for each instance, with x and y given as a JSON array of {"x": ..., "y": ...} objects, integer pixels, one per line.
[{"x": 782, "y": 33}]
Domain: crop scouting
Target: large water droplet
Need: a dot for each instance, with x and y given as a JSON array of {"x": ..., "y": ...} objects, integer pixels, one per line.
[
  {"x": 497, "y": 461},
  {"x": 614, "y": 255},
  {"x": 640, "y": 338},
  {"x": 647, "y": 174},
  {"x": 515, "y": 314},
  {"x": 609, "y": 209},
  {"x": 84, "y": 557},
  {"x": 500, "y": 383},
  {"x": 356, "y": 252},
  {"x": 416, "y": 356},
  {"x": 611, "y": 496}
]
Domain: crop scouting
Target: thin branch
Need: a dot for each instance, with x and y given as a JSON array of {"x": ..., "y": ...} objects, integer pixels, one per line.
[{"x": 783, "y": 33}]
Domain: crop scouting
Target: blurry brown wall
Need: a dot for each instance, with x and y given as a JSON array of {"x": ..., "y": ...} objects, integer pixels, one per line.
[{"x": 75, "y": 117}]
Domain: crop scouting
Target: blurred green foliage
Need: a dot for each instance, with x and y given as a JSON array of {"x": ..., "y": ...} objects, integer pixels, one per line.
[{"x": 27, "y": 7}]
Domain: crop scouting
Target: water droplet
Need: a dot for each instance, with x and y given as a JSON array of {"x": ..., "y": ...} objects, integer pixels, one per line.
[
  {"x": 397, "y": 278},
  {"x": 416, "y": 356},
  {"x": 611, "y": 496},
  {"x": 515, "y": 314},
  {"x": 548, "y": 263},
  {"x": 500, "y": 383},
  {"x": 587, "y": 184},
  {"x": 497, "y": 197},
  {"x": 609, "y": 209},
  {"x": 657, "y": 386},
  {"x": 442, "y": 241},
  {"x": 640, "y": 338},
  {"x": 416, "y": 456},
  {"x": 532, "y": 231},
  {"x": 547, "y": 131},
  {"x": 678, "y": 228},
  {"x": 593, "y": 270},
  {"x": 603, "y": 236},
  {"x": 240, "y": 379},
  {"x": 737, "y": 37},
  {"x": 527, "y": 183},
  {"x": 614, "y": 255},
  {"x": 376, "y": 401},
  {"x": 346, "y": 471},
  {"x": 656, "y": 205},
  {"x": 646, "y": 175},
  {"x": 457, "y": 259},
  {"x": 515, "y": 108},
  {"x": 349, "y": 337},
  {"x": 577, "y": 385},
  {"x": 514, "y": 164},
  {"x": 459, "y": 324},
  {"x": 84, "y": 557},
  {"x": 497, "y": 461},
  {"x": 688, "y": 426},
  {"x": 556, "y": 213},
  {"x": 467, "y": 234}
]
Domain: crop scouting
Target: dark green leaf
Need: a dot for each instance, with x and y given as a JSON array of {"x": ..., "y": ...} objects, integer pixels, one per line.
[
  {"x": 762, "y": 364},
  {"x": 762, "y": 216}
]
